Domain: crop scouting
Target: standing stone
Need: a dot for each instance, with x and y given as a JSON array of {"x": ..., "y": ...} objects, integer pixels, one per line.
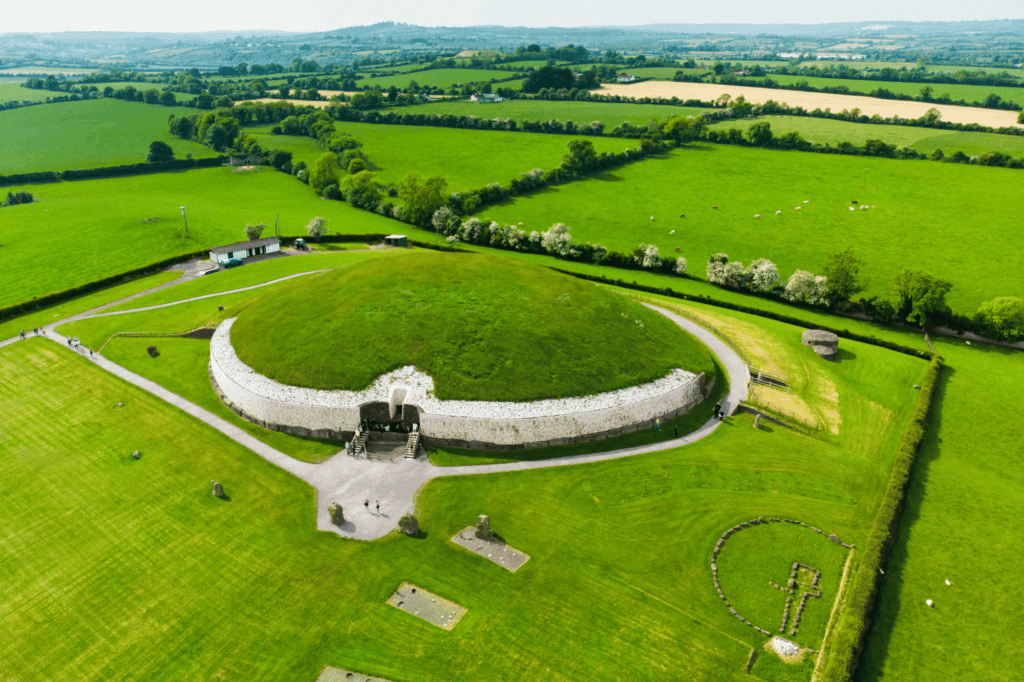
[
  {"x": 757, "y": 421},
  {"x": 409, "y": 525},
  {"x": 137, "y": 454},
  {"x": 483, "y": 527},
  {"x": 337, "y": 514},
  {"x": 218, "y": 489}
]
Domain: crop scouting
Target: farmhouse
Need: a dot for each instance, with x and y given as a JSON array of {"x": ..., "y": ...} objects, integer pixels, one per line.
[
  {"x": 242, "y": 250},
  {"x": 486, "y": 97},
  {"x": 625, "y": 78}
]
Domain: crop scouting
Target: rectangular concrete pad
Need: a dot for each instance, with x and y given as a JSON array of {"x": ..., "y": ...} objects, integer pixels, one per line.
[
  {"x": 492, "y": 550},
  {"x": 330, "y": 674},
  {"x": 431, "y": 608}
]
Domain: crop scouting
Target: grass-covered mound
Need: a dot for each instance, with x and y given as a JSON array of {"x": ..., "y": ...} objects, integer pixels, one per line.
[{"x": 484, "y": 328}]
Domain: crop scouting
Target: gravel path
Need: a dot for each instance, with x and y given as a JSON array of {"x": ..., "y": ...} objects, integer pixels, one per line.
[{"x": 352, "y": 481}]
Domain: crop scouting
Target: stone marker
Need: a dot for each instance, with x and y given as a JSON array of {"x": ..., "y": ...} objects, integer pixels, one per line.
[
  {"x": 483, "y": 527},
  {"x": 337, "y": 514},
  {"x": 152, "y": 351},
  {"x": 218, "y": 489},
  {"x": 825, "y": 344},
  {"x": 137, "y": 454},
  {"x": 409, "y": 525},
  {"x": 757, "y": 421}
]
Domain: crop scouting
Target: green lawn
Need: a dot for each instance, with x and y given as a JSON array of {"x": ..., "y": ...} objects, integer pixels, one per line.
[
  {"x": 967, "y": 93},
  {"x": 927, "y": 140},
  {"x": 78, "y": 232},
  {"x": 617, "y": 586},
  {"x": 469, "y": 159},
  {"x": 95, "y": 133},
  {"x": 52, "y": 314},
  {"x": 582, "y": 113},
  {"x": 442, "y": 313},
  {"x": 921, "y": 209}
]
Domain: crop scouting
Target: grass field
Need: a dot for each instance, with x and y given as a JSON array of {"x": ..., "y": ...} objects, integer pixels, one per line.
[
  {"x": 100, "y": 232},
  {"x": 917, "y": 222},
  {"x": 967, "y": 93},
  {"x": 469, "y": 159},
  {"x": 439, "y": 78},
  {"x": 582, "y": 113},
  {"x": 442, "y": 314},
  {"x": 602, "y": 577},
  {"x": 12, "y": 91},
  {"x": 102, "y": 132},
  {"x": 927, "y": 140}
]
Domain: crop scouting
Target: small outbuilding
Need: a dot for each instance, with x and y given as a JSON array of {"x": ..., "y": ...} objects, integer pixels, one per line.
[
  {"x": 243, "y": 250},
  {"x": 396, "y": 240},
  {"x": 825, "y": 344}
]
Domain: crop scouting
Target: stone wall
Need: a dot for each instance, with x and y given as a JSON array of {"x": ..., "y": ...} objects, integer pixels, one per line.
[{"x": 454, "y": 423}]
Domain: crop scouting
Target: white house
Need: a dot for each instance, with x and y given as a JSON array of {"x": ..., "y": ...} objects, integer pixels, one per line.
[
  {"x": 243, "y": 250},
  {"x": 486, "y": 97},
  {"x": 625, "y": 78}
]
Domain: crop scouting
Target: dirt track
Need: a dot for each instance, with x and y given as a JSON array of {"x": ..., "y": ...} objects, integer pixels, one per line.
[{"x": 813, "y": 100}]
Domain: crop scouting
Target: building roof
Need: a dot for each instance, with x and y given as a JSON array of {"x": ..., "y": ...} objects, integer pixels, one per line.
[
  {"x": 395, "y": 236},
  {"x": 239, "y": 246}
]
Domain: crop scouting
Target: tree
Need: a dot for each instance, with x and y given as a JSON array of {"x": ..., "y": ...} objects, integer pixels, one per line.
[
  {"x": 152, "y": 96},
  {"x": 183, "y": 127},
  {"x": 159, "y": 152},
  {"x": 684, "y": 129},
  {"x": 548, "y": 77},
  {"x": 253, "y": 232},
  {"x": 325, "y": 172},
  {"x": 392, "y": 94},
  {"x": 371, "y": 99},
  {"x": 409, "y": 525},
  {"x": 842, "y": 270},
  {"x": 317, "y": 228},
  {"x": 1002, "y": 318},
  {"x": 218, "y": 137},
  {"x": 422, "y": 197},
  {"x": 361, "y": 190},
  {"x": 921, "y": 296},
  {"x": 204, "y": 101},
  {"x": 760, "y": 134},
  {"x": 1020, "y": 117},
  {"x": 581, "y": 156},
  {"x": 356, "y": 166},
  {"x": 168, "y": 99}
]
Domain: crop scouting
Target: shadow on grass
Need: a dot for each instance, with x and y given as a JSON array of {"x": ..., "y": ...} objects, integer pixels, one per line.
[
  {"x": 844, "y": 355},
  {"x": 889, "y": 600}
]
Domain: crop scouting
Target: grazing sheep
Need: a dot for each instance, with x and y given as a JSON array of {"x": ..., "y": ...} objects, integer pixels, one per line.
[
  {"x": 677, "y": 248},
  {"x": 797, "y": 208},
  {"x": 652, "y": 219},
  {"x": 682, "y": 215},
  {"x": 758, "y": 215},
  {"x": 715, "y": 208},
  {"x": 863, "y": 208},
  {"x": 852, "y": 208},
  {"x": 854, "y": 202},
  {"x": 672, "y": 232},
  {"x": 807, "y": 201},
  {"x": 778, "y": 213}
]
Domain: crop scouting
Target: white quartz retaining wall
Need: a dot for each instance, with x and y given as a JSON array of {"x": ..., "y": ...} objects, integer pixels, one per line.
[{"x": 477, "y": 424}]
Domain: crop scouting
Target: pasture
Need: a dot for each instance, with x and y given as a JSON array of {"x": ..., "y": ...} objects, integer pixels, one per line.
[
  {"x": 100, "y": 132},
  {"x": 920, "y": 208},
  {"x": 78, "y": 232},
  {"x": 468, "y": 159},
  {"x": 926, "y": 140},
  {"x": 11, "y": 91},
  {"x": 635, "y": 577},
  {"x": 581, "y": 113},
  {"x": 956, "y": 91},
  {"x": 439, "y": 78}
]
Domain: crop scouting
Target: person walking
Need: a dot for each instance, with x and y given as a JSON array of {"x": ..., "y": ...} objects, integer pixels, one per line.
[
  {"x": 675, "y": 433},
  {"x": 22, "y": 334},
  {"x": 367, "y": 505},
  {"x": 378, "y": 506},
  {"x": 657, "y": 424},
  {"x": 69, "y": 342}
]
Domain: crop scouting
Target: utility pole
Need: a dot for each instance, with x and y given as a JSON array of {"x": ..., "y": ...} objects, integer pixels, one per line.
[{"x": 185, "y": 219}]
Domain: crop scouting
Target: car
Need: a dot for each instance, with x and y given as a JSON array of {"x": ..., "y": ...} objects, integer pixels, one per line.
[{"x": 233, "y": 263}]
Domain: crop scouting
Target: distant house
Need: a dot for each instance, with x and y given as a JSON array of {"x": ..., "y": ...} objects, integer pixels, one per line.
[
  {"x": 396, "y": 240},
  {"x": 486, "y": 97},
  {"x": 243, "y": 250},
  {"x": 625, "y": 78},
  {"x": 744, "y": 72}
]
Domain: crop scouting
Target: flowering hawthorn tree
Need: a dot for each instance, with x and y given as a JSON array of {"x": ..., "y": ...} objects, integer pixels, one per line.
[{"x": 680, "y": 266}]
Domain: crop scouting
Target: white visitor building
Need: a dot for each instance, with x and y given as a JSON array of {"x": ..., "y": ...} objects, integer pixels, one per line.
[{"x": 243, "y": 250}]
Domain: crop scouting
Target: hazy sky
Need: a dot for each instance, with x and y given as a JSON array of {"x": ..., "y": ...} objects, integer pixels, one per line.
[{"x": 321, "y": 15}]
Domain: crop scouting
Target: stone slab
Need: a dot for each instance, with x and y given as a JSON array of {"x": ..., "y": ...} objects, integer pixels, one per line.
[
  {"x": 331, "y": 674},
  {"x": 492, "y": 550},
  {"x": 427, "y": 606}
]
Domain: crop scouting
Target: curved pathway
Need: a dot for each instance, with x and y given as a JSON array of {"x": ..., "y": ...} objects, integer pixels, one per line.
[{"x": 352, "y": 481}]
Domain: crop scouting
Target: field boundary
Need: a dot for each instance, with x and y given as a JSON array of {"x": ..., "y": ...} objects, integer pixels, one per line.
[{"x": 853, "y": 625}]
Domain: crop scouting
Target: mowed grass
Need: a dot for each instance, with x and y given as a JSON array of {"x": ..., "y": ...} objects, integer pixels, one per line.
[
  {"x": 926, "y": 140},
  {"x": 78, "y": 232},
  {"x": 441, "y": 313},
  {"x": 41, "y": 318},
  {"x": 957, "y": 525},
  {"x": 88, "y": 134},
  {"x": 468, "y": 159},
  {"x": 926, "y": 215},
  {"x": 618, "y": 586},
  {"x": 957, "y": 91},
  {"x": 581, "y": 113}
]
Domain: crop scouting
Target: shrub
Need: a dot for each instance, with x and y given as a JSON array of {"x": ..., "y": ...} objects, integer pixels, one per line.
[
  {"x": 803, "y": 287},
  {"x": 763, "y": 276},
  {"x": 680, "y": 267},
  {"x": 647, "y": 256},
  {"x": 409, "y": 525},
  {"x": 330, "y": 192},
  {"x": 557, "y": 240},
  {"x": 1001, "y": 318},
  {"x": 716, "y": 268},
  {"x": 152, "y": 351}
]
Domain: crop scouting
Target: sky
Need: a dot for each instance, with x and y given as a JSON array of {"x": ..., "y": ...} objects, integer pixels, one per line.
[{"x": 324, "y": 15}]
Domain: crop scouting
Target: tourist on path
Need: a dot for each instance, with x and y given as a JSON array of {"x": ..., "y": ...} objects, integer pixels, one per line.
[
  {"x": 657, "y": 424},
  {"x": 22, "y": 334},
  {"x": 367, "y": 505},
  {"x": 378, "y": 506},
  {"x": 675, "y": 434}
]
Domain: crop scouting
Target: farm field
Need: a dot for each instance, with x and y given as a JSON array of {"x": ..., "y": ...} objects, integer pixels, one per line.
[
  {"x": 915, "y": 222},
  {"x": 264, "y": 535},
  {"x": 869, "y": 106},
  {"x": 12, "y": 91},
  {"x": 107, "y": 132},
  {"x": 469, "y": 159},
  {"x": 967, "y": 93},
  {"x": 102, "y": 234},
  {"x": 611, "y": 114},
  {"x": 927, "y": 140},
  {"x": 443, "y": 78}
]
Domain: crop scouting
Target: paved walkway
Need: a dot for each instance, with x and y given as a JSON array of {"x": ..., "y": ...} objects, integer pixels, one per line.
[{"x": 352, "y": 481}]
